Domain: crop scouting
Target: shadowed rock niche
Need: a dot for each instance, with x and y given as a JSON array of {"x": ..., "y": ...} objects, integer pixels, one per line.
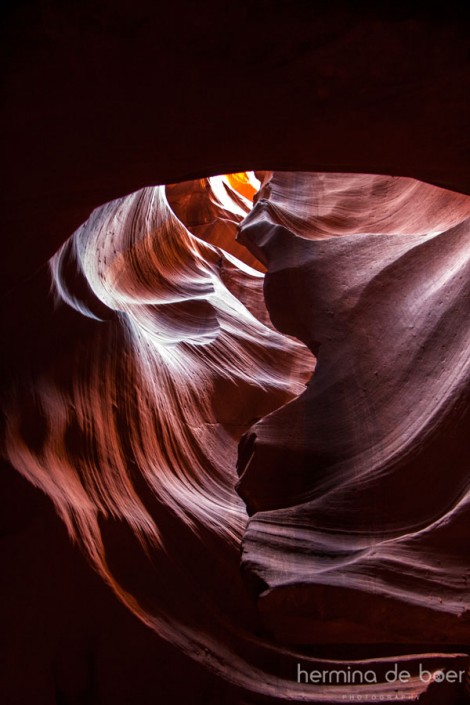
[{"x": 317, "y": 325}]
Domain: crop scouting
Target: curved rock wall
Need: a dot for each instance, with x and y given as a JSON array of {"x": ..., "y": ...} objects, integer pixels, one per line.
[
  {"x": 356, "y": 485},
  {"x": 359, "y": 488}
]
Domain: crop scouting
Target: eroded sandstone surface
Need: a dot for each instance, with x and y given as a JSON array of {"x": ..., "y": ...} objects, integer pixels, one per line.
[{"x": 322, "y": 335}]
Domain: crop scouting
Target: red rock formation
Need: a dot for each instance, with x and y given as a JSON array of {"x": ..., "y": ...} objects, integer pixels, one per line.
[
  {"x": 102, "y": 101},
  {"x": 132, "y": 429},
  {"x": 359, "y": 493}
]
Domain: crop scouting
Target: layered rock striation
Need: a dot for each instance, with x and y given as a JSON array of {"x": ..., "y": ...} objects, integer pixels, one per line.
[
  {"x": 359, "y": 488},
  {"x": 340, "y": 377}
]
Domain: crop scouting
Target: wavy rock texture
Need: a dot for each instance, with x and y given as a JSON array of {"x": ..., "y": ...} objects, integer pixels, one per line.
[
  {"x": 132, "y": 426},
  {"x": 359, "y": 488}
]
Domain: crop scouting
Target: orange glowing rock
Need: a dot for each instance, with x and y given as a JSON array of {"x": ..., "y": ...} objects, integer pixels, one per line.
[{"x": 245, "y": 183}]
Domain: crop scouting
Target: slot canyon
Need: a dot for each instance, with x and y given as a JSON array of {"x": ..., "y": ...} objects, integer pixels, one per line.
[{"x": 235, "y": 364}]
